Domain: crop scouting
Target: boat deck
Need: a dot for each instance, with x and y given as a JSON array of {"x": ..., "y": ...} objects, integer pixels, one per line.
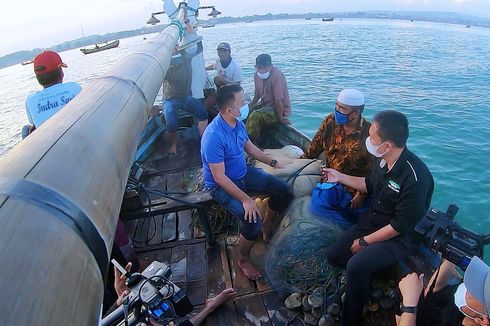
[{"x": 204, "y": 271}]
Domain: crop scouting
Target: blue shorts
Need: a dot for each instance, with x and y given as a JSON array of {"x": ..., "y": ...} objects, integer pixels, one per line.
[
  {"x": 189, "y": 104},
  {"x": 256, "y": 181}
]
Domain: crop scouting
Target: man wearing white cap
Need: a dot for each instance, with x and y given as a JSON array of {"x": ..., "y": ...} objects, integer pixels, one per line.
[
  {"x": 342, "y": 136},
  {"x": 465, "y": 304}
]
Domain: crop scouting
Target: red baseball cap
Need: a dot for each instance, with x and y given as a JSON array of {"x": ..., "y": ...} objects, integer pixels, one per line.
[{"x": 46, "y": 62}]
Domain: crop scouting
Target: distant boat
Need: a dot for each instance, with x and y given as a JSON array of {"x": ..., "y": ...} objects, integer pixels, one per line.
[
  {"x": 208, "y": 25},
  {"x": 249, "y": 21},
  {"x": 330, "y": 19},
  {"x": 27, "y": 62},
  {"x": 308, "y": 18},
  {"x": 411, "y": 20},
  {"x": 101, "y": 47},
  {"x": 468, "y": 26}
]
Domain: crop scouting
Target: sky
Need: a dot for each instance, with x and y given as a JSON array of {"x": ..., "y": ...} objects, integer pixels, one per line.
[{"x": 29, "y": 24}]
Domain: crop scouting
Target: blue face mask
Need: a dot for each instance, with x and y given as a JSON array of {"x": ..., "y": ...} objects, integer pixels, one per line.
[
  {"x": 341, "y": 118},
  {"x": 244, "y": 110}
]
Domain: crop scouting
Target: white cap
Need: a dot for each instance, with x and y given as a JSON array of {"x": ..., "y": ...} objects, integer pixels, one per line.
[{"x": 351, "y": 97}]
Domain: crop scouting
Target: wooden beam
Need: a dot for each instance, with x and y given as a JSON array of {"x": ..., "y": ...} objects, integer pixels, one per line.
[{"x": 83, "y": 155}]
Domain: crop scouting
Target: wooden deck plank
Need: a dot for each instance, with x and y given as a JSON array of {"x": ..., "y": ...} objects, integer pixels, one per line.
[
  {"x": 225, "y": 261},
  {"x": 241, "y": 283},
  {"x": 184, "y": 225},
  {"x": 216, "y": 272},
  {"x": 178, "y": 265},
  {"x": 175, "y": 182},
  {"x": 278, "y": 313},
  {"x": 225, "y": 315},
  {"x": 130, "y": 227},
  {"x": 169, "y": 227},
  {"x": 197, "y": 291},
  {"x": 257, "y": 256},
  {"x": 155, "y": 229},
  {"x": 251, "y": 311},
  {"x": 141, "y": 233},
  {"x": 162, "y": 255},
  {"x": 172, "y": 244}
]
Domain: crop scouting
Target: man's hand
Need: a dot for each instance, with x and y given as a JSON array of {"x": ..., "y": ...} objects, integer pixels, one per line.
[
  {"x": 355, "y": 247},
  {"x": 251, "y": 210},
  {"x": 331, "y": 175},
  {"x": 357, "y": 200},
  {"x": 411, "y": 286},
  {"x": 120, "y": 280},
  {"x": 284, "y": 121},
  {"x": 281, "y": 164}
]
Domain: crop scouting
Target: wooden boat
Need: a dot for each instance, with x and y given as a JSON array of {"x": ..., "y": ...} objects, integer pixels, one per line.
[
  {"x": 101, "y": 47},
  {"x": 204, "y": 263},
  {"x": 330, "y": 19}
]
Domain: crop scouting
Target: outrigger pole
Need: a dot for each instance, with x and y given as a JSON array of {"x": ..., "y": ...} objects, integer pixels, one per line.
[{"x": 61, "y": 191}]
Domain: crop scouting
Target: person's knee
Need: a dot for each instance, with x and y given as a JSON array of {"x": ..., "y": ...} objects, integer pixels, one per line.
[
  {"x": 197, "y": 108},
  {"x": 334, "y": 256},
  {"x": 170, "y": 114},
  {"x": 251, "y": 231}
]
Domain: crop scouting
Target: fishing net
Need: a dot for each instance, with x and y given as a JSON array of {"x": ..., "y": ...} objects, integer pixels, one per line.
[{"x": 297, "y": 256}]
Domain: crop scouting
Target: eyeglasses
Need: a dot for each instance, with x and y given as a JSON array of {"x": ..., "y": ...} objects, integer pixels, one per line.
[{"x": 480, "y": 315}]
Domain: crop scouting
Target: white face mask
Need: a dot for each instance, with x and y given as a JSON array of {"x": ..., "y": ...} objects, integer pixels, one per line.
[
  {"x": 373, "y": 149},
  {"x": 459, "y": 296},
  {"x": 460, "y": 302},
  {"x": 264, "y": 75},
  {"x": 244, "y": 110}
]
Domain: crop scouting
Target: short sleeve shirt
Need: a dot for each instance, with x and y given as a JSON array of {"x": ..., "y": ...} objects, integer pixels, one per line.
[
  {"x": 401, "y": 196},
  {"x": 232, "y": 73},
  {"x": 222, "y": 143},
  {"x": 273, "y": 89},
  {"x": 44, "y": 104}
]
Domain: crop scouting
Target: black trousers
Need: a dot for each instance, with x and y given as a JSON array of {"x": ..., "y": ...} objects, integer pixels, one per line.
[{"x": 360, "y": 266}]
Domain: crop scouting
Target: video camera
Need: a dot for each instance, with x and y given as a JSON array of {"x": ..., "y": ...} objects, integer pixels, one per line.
[
  {"x": 153, "y": 297},
  {"x": 443, "y": 234}
]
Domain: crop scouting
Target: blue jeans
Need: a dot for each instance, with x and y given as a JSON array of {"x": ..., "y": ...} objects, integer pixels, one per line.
[
  {"x": 257, "y": 181},
  {"x": 189, "y": 104}
]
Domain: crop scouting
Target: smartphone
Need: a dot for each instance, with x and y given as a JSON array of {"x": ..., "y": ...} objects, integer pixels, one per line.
[{"x": 119, "y": 267}]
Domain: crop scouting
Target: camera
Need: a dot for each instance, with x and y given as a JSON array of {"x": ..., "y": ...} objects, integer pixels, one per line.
[
  {"x": 153, "y": 297},
  {"x": 443, "y": 234}
]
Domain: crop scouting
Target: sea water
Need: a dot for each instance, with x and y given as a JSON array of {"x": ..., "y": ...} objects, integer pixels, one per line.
[{"x": 437, "y": 74}]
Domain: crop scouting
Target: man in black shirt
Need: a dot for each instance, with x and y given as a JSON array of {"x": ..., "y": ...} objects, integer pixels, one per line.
[{"x": 401, "y": 188}]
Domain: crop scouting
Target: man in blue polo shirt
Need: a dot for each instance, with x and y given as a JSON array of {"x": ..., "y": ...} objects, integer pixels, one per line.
[{"x": 226, "y": 174}]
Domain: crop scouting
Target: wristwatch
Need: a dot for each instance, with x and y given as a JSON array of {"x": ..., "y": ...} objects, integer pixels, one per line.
[
  {"x": 410, "y": 310},
  {"x": 273, "y": 163},
  {"x": 362, "y": 243}
]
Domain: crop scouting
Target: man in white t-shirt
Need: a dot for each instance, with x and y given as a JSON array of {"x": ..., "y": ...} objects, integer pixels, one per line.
[
  {"x": 55, "y": 94},
  {"x": 229, "y": 71}
]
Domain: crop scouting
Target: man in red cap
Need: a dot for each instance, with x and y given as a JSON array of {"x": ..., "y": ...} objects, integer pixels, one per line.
[{"x": 43, "y": 104}]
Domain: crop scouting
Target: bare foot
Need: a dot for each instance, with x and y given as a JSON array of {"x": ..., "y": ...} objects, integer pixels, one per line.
[
  {"x": 173, "y": 149},
  {"x": 249, "y": 270},
  {"x": 224, "y": 296}
]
